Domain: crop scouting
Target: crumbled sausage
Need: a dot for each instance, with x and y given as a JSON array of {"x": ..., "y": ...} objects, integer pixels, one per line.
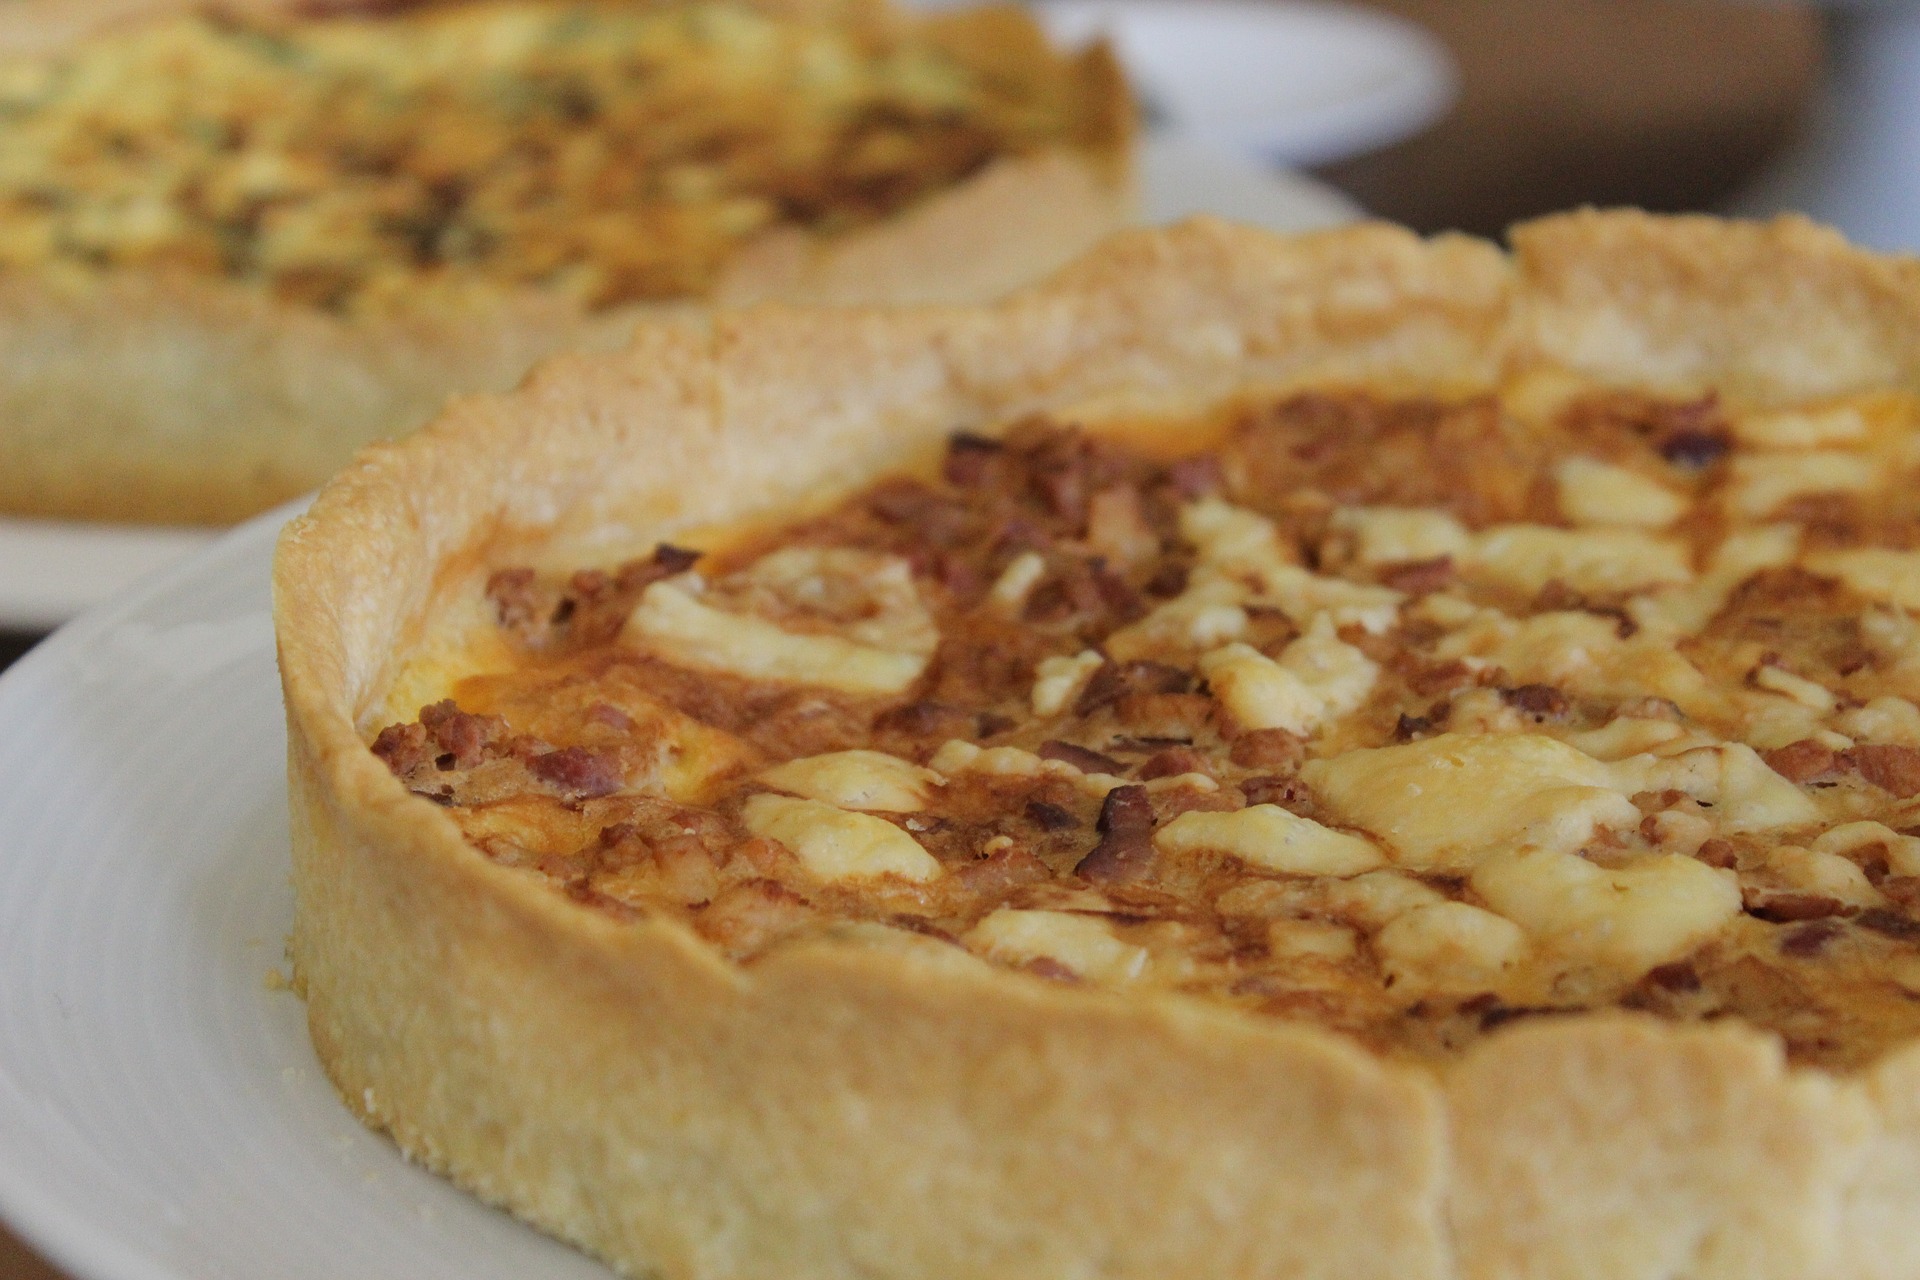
[
  {"x": 1801, "y": 761},
  {"x": 578, "y": 771},
  {"x": 1115, "y": 680},
  {"x": 1889, "y": 767},
  {"x": 1270, "y": 751},
  {"x": 1125, "y": 851},
  {"x": 1543, "y": 702}
]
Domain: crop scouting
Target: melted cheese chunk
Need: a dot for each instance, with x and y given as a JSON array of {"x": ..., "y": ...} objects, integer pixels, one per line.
[
  {"x": 1017, "y": 581},
  {"x": 1877, "y": 573},
  {"x": 1267, "y": 836},
  {"x": 1450, "y": 946},
  {"x": 1443, "y": 803},
  {"x": 1084, "y": 944},
  {"x": 1058, "y": 681},
  {"x": 1582, "y": 652},
  {"x": 1747, "y": 795},
  {"x": 1525, "y": 557},
  {"x": 868, "y": 780},
  {"x": 881, "y": 646},
  {"x": 1763, "y": 483},
  {"x": 1633, "y": 918},
  {"x": 1317, "y": 678},
  {"x": 1397, "y": 535},
  {"x": 1801, "y": 428},
  {"x": 1678, "y": 611},
  {"x": 836, "y": 845},
  {"x": 1594, "y": 492}
]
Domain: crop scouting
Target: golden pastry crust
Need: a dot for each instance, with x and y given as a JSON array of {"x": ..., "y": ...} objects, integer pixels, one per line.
[
  {"x": 167, "y": 395},
  {"x": 878, "y": 1102}
]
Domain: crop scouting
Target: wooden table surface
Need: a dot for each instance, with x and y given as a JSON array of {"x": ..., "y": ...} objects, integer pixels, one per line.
[{"x": 1664, "y": 103}]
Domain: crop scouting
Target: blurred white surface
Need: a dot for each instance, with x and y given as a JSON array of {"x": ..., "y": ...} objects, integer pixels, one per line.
[
  {"x": 1858, "y": 167},
  {"x": 1285, "y": 81}
]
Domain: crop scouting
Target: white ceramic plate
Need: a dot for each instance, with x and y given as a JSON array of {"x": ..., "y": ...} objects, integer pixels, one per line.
[
  {"x": 1283, "y": 81},
  {"x": 51, "y": 571},
  {"x": 162, "y": 1116}
]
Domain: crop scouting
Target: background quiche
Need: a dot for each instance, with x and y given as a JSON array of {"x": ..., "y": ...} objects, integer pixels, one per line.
[
  {"x": 1342, "y": 756},
  {"x": 237, "y": 244}
]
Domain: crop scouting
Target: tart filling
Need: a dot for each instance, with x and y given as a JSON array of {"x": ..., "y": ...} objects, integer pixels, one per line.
[
  {"x": 1404, "y": 717},
  {"x": 616, "y": 152}
]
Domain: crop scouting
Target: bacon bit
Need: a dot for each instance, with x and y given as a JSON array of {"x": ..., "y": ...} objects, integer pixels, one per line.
[
  {"x": 1173, "y": 762},
  {"x": 1407, "y": 727},
  {"x": 925, "y": 721},
  {"x": 1273, "y": 790},
  {"x": 1802, "y": 761},
  {"x": 969, "y": 459},
  {"x": 1125, "y": 851},
  {"x": 1891, "y": 768},
  {"x": 1084, "y": 759},
  {"x": 900, "y": 501},
  {"x": 611, "y": 716},
  {"x": 1903, "y": 891},
  {"x": 1169, "y": 580},
  {"x": 1270, "y": 751},
  {"x": 1890, "y": 923},
  {"x": 1050, "y": 969},
  {"x": 1445, "y": 678},
  {"x": 518, "y": 602},
  {"x": 1114, "y": 680},
  {"x": 1786, "y": 908},
  {"x": 403, "y": 747},
  {"x": 1809, "y": 939},
  {"x": 1717, "y": 853},
  {"x": 670, "y": 558},
  {"x": 990, "y": 723},
  {"x": 1196, "y": 477},
  {"x": 1693, "y": 448},
  {"x": 1000, "y": 872},
  {"x": 579, "y": 771},
  {"x": 1419, "y": 577},
  {"x": 463, "y": 739},
  {"x": 1680, "y": 975},
  {"x": 1541, "y": 701},
  {"x": 1050, "y": 817}
]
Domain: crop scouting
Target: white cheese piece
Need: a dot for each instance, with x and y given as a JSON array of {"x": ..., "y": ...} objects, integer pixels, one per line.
[
  {"x": 1885, "y": 719},
  {"x": 1877, "y": 573},
  {"x": 956, "y": 756},
  {"x": 1625, "y": 736},
  {"x": 1058, "y": 681},
  {"x": 867, "y": 780},
  {"x": 1272, "y": 838},
  {"x": 1525, "y": 557},
  {"x": 874, "y": 594},
  {"x": 1582, "y": 653},
  {"x": 1302, "y": 596},
  {"x": 1450, "y": 946},
  {"x": 1372, "y": 899},
  {"x": 1815, "y": 697},
  {"x": 669, "y": 622},
  {"x": 1595, "y": 492},
  {"x": 1801, "y": 428},
  {"x": 1762, "y": 483},
  {"x": 1685, "y": 610},
  {"x": 1299, "y": 939},
  {"x": 835, "y": 844},
  {"x": 1902, "y": 852},
  {"x": 1231, "y": 537},
  {"x": 1206, "y": 614},
  {"x": 1084, "y": 944},
  {"x": 1818, "y": 871},
  {"x": 1017, "y": 581},
  {"x": 1443, "y": 802},
  {"x": 1339, "y": 674},
  {"x": 1630, "y": 918},
  {"x": 1395, "y": 535},
  {"x": 1746, "y": 794},
  {"x": 1258, "y": 692}
]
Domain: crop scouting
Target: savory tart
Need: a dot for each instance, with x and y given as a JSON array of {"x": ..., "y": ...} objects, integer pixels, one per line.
[
  {"x": 236, "y": 245},
  {"x": 1339, "y": 756}
]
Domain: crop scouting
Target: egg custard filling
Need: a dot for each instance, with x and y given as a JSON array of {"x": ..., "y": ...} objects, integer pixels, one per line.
[
  {"x": 1407, "y": 717},
  {"x": 614, "y": 151}
]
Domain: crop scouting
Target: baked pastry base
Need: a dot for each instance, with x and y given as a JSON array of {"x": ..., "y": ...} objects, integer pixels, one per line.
[{"x": 878, "y": 1104}]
